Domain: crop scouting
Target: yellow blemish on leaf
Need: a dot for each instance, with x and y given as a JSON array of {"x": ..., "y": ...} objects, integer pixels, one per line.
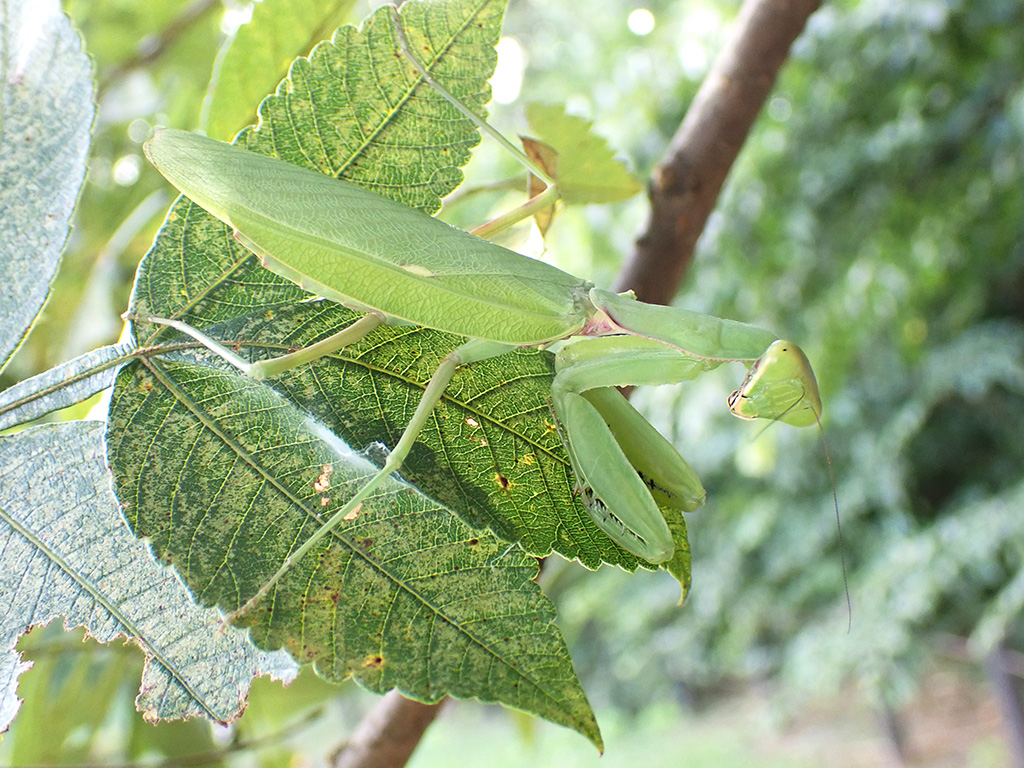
[
  {"x": 418, "y": 270},
  {"x": 374, "y": 662},
  {"x": 353, "y": 514}
]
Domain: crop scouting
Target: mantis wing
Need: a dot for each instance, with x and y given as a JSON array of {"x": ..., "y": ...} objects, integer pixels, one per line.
[{"x": 358, "y": 248}]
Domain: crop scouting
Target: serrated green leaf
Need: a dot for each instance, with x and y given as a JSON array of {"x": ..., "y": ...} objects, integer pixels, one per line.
[
  {"x": 46, "y": 111},
  {"x": 679, "y": 564},
  {"x": 257, "y": 57},
  {"x": 226, "y": 478},
  {"x": 357, "y": 109},
  {"x": 588, "y": 171},
  {"x": 66, "y": 552}
]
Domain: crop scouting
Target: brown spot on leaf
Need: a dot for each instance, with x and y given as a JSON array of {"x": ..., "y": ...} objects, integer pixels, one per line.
[{"x": 323, "y": 482}]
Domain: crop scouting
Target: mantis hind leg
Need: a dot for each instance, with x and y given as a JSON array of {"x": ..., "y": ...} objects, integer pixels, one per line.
[
  {"x": 264, "y": 369},
  {"x": 470, "y": 352}
]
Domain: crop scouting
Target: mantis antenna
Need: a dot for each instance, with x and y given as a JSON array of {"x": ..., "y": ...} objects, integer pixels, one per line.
[
  {"x": 541, "y": 201},
  {"x": 785, "y": 372}
]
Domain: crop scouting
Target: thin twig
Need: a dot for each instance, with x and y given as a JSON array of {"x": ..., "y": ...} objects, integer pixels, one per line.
[
  {"x": 151, "y": 47},
  {"x": 202, "y": 758}
]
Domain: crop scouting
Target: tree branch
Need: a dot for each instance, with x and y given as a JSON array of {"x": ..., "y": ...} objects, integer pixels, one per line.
[
  {"x": 687, "y": 182},
  {"x": 388, "y": 734}
]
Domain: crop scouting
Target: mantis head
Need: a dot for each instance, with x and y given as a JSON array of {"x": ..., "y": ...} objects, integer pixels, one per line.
[{"x": 780, "y": 386}]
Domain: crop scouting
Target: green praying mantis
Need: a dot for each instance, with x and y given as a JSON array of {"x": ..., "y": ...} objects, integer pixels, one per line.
[{"x": 401, "y": 266}]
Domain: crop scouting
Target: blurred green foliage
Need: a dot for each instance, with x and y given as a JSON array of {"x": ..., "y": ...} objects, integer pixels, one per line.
[{"x": 876, "y": 216}]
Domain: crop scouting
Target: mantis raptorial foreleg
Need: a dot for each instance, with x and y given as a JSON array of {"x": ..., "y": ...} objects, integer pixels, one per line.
[{"x": 354, "y": 247}]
